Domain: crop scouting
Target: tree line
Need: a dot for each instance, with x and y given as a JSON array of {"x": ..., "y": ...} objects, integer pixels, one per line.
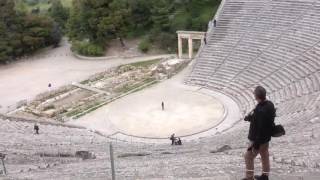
[
  {"x": 91, "y": 24},
  {"x": 23, "y": 33}
]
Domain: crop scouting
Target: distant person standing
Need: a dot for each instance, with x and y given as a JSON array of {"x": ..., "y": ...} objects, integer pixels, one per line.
[
  {"x": 162, "y": 106},
  {"x": 36, "y": 128},
  {"x": 261, "y": 126},
  {"x": 49, "y": 86},
  {"x": 173, "y": 139},
  {"x": 214, "y": 23},
  {"x": 205, "y": 38}
]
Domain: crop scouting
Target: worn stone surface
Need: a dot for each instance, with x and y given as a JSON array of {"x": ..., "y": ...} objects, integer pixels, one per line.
[
  {"x": 241, "y": 53},
  {"x": 222, "y": 149}
]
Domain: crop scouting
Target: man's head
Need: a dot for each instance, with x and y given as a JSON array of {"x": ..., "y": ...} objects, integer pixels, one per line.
[{"x": 260, "y": 93}]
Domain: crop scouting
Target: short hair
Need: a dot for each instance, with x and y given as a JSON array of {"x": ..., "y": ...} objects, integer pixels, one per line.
[{"x": 260, "y": 92}]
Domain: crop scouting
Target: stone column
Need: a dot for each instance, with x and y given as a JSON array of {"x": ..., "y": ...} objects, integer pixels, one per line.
[
  {"x": 190, "y": 47},
  {"x": 179, "y": 47}
]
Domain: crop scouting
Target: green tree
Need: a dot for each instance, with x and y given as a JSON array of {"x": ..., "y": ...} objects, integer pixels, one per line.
[
  {"x": 59, "y": 13},
  {"x": 116, "y": 23},
  {"x": 98, "y": 21},
  {"x": 161, "y": 15},
  {"x": 20, "y": 6},
  {"x": 23, "y": 33},
  {"x": 140, "y": 18},
  {"x": 7, "y": 21},
  {"x": 36, "y": 32},
  {"x": 74, "y": 24},
  {"x": 56, "y": 35},
  {"x": 85, "y": 18}
]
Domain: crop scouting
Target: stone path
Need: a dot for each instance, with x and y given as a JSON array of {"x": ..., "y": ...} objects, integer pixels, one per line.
[{"x": 90, "y": 88}]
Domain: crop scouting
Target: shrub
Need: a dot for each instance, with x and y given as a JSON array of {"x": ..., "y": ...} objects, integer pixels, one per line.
[
  {"x": 144, "y": 45},
  {"x": 87, "y": 48},
  {"x": 164, "y": 40}
]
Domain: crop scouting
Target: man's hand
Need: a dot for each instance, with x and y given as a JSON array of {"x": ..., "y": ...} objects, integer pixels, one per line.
[{"x": 249, "y": 117}]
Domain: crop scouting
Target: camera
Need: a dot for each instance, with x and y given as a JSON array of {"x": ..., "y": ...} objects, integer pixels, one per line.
[{"x": 249, "y": 117}]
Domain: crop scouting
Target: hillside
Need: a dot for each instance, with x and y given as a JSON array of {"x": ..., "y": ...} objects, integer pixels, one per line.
[{"x": 42, "y": 5}]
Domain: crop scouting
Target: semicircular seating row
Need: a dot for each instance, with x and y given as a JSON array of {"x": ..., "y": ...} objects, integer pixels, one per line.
[
  {"x": 275, "y": 44},
  {"x": 257, "y": 42}
]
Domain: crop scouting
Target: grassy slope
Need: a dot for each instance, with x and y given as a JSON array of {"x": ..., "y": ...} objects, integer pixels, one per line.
[
  {"x": 66, "y": 3},
  {"x": 44, "y": 6}
]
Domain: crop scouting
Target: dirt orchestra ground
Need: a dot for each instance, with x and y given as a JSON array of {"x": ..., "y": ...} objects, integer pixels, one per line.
[{"x": 140, "y": 114}]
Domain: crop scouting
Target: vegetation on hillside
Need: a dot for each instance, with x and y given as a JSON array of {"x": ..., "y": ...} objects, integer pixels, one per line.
[
  {"x": 96, "y": 22},
  {"x": 39, "y": 6},
  {"x": 27, "y": 25},
  {"x": 59, "y": 13},
  {"x": 22, "y": 33},
  {"x": 58, "y": 10}
]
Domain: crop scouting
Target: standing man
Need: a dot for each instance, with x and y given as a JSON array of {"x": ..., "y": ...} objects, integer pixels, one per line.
[
  {"x": 214, "y": 23},
  {"x": 205, "y": 39},
  {"x": 49, "y": 86},
  {"x": 173, "y": 139},
  {"x": 261, "y": 124},
  {"x": 36, "y": 128},
  {"x": 162, "y": 106}
]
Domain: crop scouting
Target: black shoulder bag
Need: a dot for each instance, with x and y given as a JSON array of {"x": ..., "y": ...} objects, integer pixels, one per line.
[{"x": 278, "y": 131}]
